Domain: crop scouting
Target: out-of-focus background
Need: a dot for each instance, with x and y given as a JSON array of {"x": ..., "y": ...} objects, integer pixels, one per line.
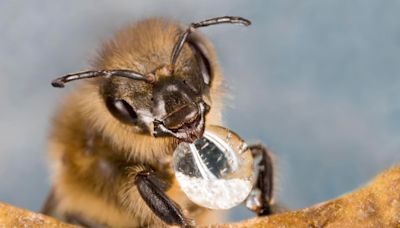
[{"x": 317, "y": 81}]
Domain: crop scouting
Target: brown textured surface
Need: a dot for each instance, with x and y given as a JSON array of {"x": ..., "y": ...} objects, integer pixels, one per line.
[
  {"x": 376, "y": 205},
  {"x": 15, "y": 217}
]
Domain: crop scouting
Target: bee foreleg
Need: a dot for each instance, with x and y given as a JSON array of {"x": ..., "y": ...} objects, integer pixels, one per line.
[
  {"x": 265, "y": 180},
  {"x": 167, "y": 210}
]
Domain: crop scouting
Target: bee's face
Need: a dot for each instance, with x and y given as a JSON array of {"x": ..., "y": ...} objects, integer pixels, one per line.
[
  {"x": 156, "y": 83},
  {"x": 174, "y": 105}
]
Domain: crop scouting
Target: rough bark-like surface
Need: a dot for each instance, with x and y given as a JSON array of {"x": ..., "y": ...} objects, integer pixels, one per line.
[
  {"x": 376, "y": 205},
  {"x": 16, "y": 217}
]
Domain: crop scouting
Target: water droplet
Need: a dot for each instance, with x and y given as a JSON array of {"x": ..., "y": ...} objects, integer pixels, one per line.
[{"x": 215, "y": 171}]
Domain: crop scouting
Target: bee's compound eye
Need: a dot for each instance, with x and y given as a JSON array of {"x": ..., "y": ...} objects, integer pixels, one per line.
[{"x": 121, "y": 110}]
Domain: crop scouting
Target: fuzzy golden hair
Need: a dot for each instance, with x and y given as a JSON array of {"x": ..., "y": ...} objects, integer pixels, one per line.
[{"x": 93, "y": 155}]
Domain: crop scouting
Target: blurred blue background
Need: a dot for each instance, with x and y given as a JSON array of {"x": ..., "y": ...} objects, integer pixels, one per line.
[{"x": 317, "y": 81}]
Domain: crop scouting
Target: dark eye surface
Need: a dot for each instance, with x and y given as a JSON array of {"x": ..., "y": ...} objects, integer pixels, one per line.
[
  {"x": 121, "y": 110},
  {"x": 203, "y": 61}
]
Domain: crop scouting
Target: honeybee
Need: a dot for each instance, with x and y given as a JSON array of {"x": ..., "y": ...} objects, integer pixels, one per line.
[{"x": 155, "y": 84}]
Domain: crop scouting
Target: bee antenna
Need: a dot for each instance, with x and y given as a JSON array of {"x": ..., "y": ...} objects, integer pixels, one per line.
[
  {"x": 212, "y": 21},
  {"x": 59, "y": 82}
]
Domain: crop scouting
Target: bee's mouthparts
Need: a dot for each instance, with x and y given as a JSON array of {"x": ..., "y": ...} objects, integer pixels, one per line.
[{"x": 188, "y": 130}]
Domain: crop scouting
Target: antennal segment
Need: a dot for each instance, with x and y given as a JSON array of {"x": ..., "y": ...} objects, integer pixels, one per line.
[
  {"x": 212, "y": 21},
  {"x": 59, "y": 82}
]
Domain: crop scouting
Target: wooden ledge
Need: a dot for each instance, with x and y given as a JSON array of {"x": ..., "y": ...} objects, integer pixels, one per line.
[{"x": 375, "y": 205}]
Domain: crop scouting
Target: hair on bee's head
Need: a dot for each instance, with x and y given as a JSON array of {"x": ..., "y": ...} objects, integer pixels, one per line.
[{"x": 150, "y": 77}]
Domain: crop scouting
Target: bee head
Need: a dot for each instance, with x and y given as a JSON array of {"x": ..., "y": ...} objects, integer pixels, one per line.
[{"x": 171, "y": 100}]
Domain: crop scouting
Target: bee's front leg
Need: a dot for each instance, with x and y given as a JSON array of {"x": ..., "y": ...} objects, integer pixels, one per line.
[
  {"x": 260, "y": 199},
  {"x": 167, "y": 210}
]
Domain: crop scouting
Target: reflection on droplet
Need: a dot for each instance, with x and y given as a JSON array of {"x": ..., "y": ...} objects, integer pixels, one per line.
[{"x": 215, "y": 171}]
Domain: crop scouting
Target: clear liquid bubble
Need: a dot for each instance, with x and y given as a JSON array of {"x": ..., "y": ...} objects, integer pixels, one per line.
[{"x": 215, "y": 171}]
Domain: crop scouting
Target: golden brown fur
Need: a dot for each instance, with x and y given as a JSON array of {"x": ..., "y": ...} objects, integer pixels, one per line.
[{"x": 94, "y": 157}]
